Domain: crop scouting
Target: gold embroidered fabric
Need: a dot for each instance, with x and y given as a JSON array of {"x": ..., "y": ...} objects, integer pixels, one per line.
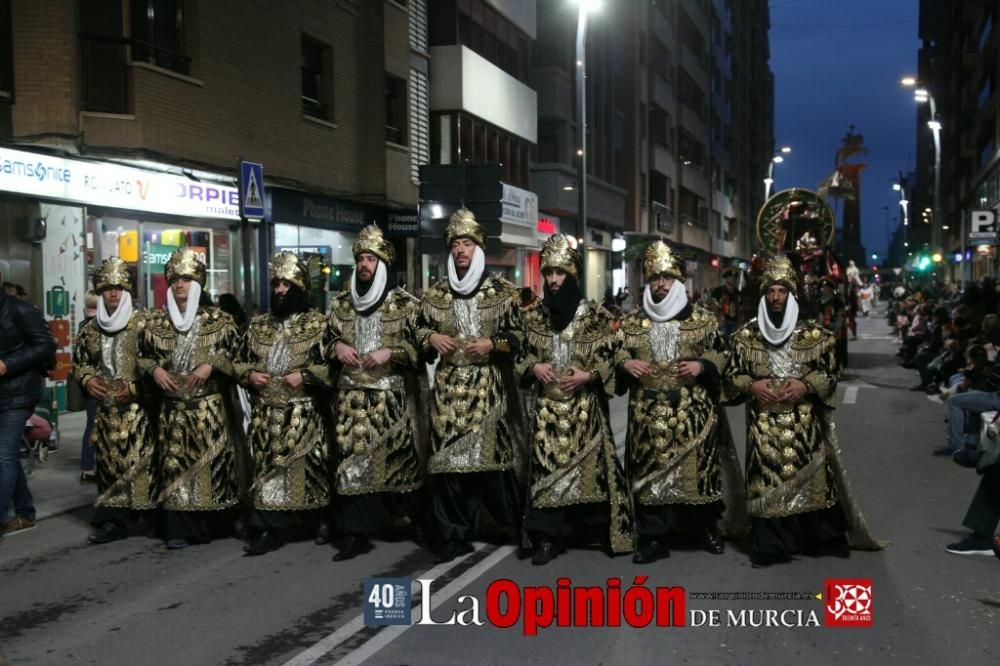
[
  {"x": 121, "y": 437},
  {"x": 672, "y": 445},
  {"x": 380, "y": 429},
  {"x": 288, "y": 432},
  {"x": 471, "y": 425},
  {"x": 573, "y": 459}
]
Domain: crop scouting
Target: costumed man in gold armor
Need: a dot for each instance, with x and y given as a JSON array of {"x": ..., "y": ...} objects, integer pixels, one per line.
[
  {"x": 671, "y": 360},
  {"x": 472, "y": 322},
  {"x": 379, "y": 427},
  {"x": 105, "y": 362},
  {"x": 282, "y": 363},
  {"x": 798, "y": 496},
  {"x": 577, "y": 487},
  {"x": 188, "y": 352}
]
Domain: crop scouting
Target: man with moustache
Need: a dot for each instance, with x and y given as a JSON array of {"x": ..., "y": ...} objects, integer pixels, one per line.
[
  {"x": 798, "y": 496},
  {"x": 282, "y": 363},
  {"x": 106, "y": 363},
  {"x": 671, "y": 360},
  {"x": 379, "y": 431},
  {"x": 188, "y": 351},
  {"x": 577, "y": 487},
  {"x": 471, "y": 321}
]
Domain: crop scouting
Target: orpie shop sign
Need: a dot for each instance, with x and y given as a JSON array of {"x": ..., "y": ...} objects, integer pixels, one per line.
[{"x": 114, "y": 186}]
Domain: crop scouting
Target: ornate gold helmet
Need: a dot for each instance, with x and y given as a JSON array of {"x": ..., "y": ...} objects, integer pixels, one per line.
[
  {"x": 779, "y": 270},
  {"x": 290, "y": 267},
  {"x": 659, "y": 259},
  {"x": 462, "y": 224},
  {"x": 185, "y": 263},
  {"x": 372, "y": 241},
  {"x": 114, "y": 272},
  {"x": 558, "y": 253}
]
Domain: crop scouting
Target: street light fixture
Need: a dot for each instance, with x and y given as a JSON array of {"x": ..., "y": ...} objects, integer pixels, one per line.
[
  {"x": 584, "y": 8},
  {"x": 923, "y": 94},
  {"x": 777, "y": 159}
]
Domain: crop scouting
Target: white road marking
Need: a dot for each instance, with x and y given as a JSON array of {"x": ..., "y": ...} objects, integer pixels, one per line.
[
  {"x": 389, "y": 634},
  {"x": 325, "y": 645},
  {"x": 850, "y": 395}
]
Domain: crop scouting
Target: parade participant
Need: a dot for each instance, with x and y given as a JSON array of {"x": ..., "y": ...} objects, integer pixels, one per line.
[
  {"x": 282, "y": 363},
  {"x": 798, "y": 496},
  {"x": 576, "y": 481},
  {"x": 380, "y": 430},
  {"x": 106, "y": 363},
  {"x": 472, "y": 322},
  {"x": 832, "y": 315},
  {"x": 671, "y": 359},
  {"x": 727, "y": 296},
  {"x": 188, "y": 351}
]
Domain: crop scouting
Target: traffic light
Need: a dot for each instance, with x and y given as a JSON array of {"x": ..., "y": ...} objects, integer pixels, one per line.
[
  {"x": 923, "y": 262},
  {"x": 714, "y": 262}
]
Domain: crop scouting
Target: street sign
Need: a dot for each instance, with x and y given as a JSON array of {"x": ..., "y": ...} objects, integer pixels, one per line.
[
  {"x": 983, "y": 227},
  {"x": 251, "y": 190}
]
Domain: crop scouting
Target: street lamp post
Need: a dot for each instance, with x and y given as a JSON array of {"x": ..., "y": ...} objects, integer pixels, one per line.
[
  {"x": 777, "y": 159},
  {"x": 922, "y": 94},
  {"x": 904, "y": 203},
  {"x": 583, "y": 9}
]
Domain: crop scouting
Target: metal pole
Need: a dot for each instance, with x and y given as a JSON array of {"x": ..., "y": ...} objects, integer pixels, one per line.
[
  {"x": 936, "y": 227},
  {"x": 581, "y": 119},
  {"x": 961, "y": 246}
]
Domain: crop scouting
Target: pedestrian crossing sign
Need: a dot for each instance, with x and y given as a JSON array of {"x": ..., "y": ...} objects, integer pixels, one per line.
[{"x": 251, "y": 190}]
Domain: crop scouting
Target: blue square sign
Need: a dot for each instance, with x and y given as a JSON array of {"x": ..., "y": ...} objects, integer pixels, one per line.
[
  {"x": 251, "y": 190},
  {"x": 386, "y": 600}
]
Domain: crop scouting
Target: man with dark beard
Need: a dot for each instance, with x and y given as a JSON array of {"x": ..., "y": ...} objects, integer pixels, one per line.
[
  {"x": 471, "y": 321},
  {"x": 577, "y": 485},
  {"x": 187, "y": 350},
  {"x": 798, "y": 496},
  {"x": 282, "y": 363},
  {"x": 671, "y": 360},
  {"x": 380, "y": 430},
  {"x": 105, "y": 362},
  {"x": 727, "y": 296}
]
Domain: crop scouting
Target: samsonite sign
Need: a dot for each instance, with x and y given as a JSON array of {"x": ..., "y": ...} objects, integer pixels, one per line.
[{"x": 114, "y": 186}]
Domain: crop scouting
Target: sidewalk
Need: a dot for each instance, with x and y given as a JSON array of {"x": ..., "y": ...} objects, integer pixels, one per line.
[{"x": 55, "y": 485}]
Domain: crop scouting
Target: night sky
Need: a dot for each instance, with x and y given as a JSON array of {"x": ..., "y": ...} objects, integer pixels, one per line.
[{"x": 836, "y": 64}]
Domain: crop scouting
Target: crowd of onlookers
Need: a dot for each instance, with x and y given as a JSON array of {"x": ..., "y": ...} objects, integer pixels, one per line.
[{"x": 951, "y": 338}]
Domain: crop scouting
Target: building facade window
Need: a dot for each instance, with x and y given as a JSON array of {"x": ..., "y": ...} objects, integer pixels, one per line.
[
  {"x": 6, "y": 50},
  {"x": 158, "y": 34},
  {"x": 317, "y": 78},
  {"x": 488, "y": 33},
  {"x": 395, "y": 110},
  {"x": 461, "y": 138},
  {"x": 103, "y": 56}
]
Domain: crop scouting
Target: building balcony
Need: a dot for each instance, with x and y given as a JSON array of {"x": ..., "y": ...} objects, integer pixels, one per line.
[
  {"x": 462, "y": 80},
  {"x": 555, "y": 185}
]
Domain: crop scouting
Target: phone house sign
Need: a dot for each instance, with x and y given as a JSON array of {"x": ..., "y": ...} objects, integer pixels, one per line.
[{"x": 114, "y": 186}]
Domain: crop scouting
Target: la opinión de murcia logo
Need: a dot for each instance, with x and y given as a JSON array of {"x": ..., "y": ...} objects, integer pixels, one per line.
[
  {"x": 388, "y": 601},
  {"x": 848, "y": 602}
]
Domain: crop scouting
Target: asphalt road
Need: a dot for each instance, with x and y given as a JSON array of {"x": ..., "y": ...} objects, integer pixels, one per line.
[{"x": 131, "y": 602}]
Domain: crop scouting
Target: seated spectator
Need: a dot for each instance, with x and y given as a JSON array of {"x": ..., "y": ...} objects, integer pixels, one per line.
[{"x": 964, "y": 410}]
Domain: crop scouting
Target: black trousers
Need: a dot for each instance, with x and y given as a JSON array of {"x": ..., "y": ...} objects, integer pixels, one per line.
[
  {"x": 198, "y": 526},
  {"x": 984, "y": 511},
  {"x": 578, "y": 523},
  {"x": 810, "y": 532},
  {"x": 457, "y": 501},
  {"x": 110, "y": 514},
  {"x": 366, "y": 514},
  {"x": 655, "y": 521}
]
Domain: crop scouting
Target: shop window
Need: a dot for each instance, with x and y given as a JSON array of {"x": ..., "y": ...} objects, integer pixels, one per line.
[
  {"x": 317, "y": 78},
  {"x": 395, "y": 109},
  {"x": 158, "y": 34}
]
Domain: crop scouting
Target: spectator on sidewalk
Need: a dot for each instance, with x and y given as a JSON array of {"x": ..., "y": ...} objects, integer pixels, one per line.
[
  {"x": 27, "y": 350},
  {"x": 981, "y": 517},
  {"x": 964, "y": 410}
]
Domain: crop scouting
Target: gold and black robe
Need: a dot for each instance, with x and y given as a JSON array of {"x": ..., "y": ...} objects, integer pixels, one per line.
[
  {"x": 472, "y": 429},
  {"x": 122, "y": 438},
  {"x": 379, "y": 431},
  {"x": 196, "y": 459},
  {"x": 793, "y": 464},
  {"x": 671, "y": 445},
  {"x": 288, "y": 434},
  {"x": 573, "y": 458}
]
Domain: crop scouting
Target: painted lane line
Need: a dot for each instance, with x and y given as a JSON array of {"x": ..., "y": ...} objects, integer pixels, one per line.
[
  {"x": 325, "y": 645},
  {"x": 850, "y": 395},
  {"x": 391, "y": 633}
]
